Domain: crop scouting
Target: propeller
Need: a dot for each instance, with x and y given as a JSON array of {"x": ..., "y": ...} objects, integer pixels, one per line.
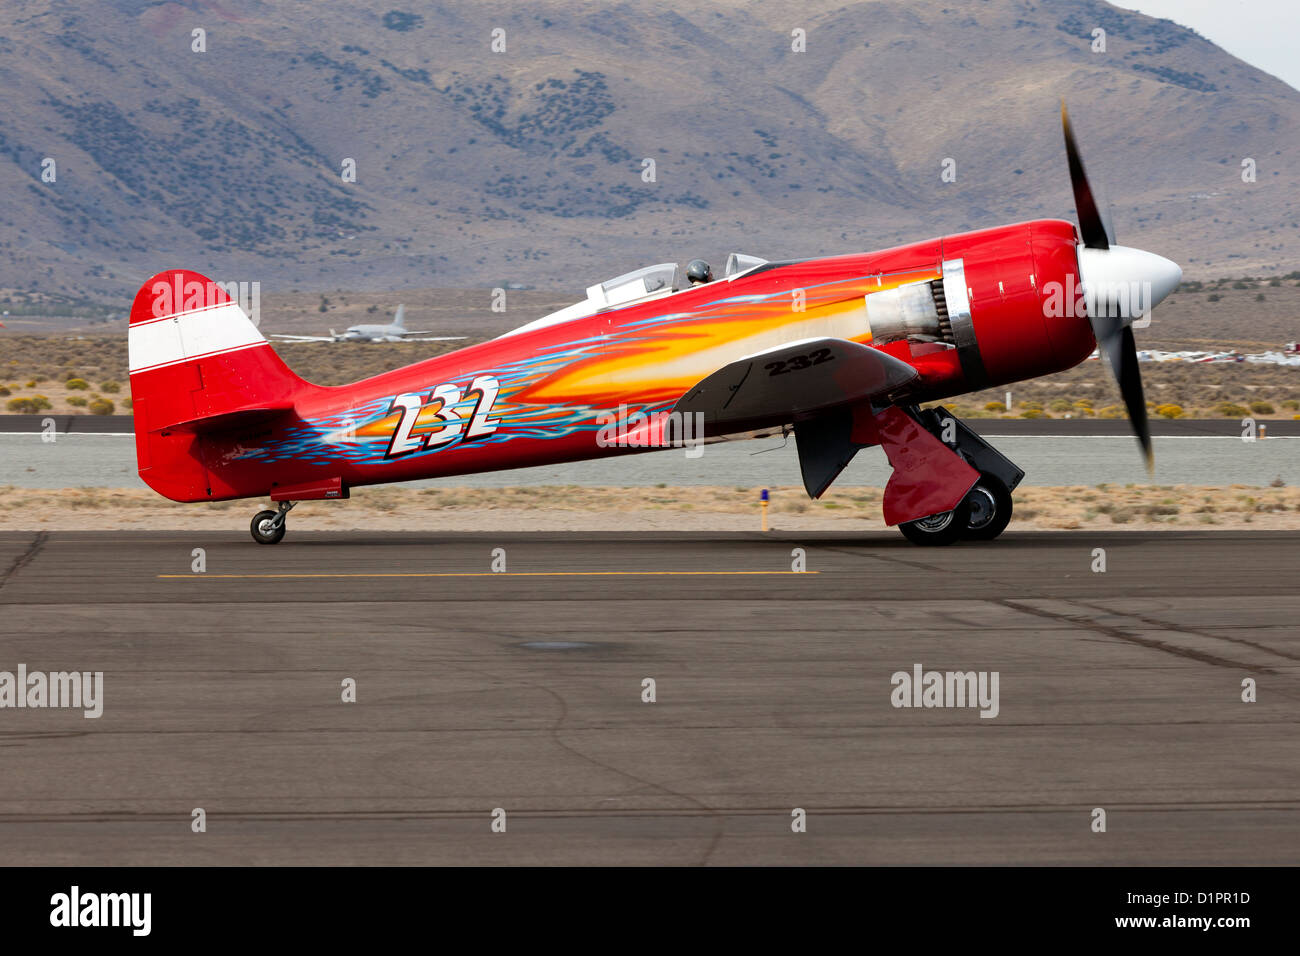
[
  {"x": 1092, "y": 226},
  {"x": 1120, "y": 285}
]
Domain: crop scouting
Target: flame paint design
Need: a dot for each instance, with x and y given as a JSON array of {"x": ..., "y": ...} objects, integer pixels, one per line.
[{"x": 642, "y": 365}]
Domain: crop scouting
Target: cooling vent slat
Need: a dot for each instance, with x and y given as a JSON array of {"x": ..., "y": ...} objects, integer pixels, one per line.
[{"x": 941, "y": 306}]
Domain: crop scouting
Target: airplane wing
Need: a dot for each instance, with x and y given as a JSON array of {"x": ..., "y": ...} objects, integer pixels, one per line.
[
  {"x": 780, "y": 385},
  {"x": 828, "y": 388},
  {"x": 304, "y": 338},
  {"x": 406, "y": 337}
]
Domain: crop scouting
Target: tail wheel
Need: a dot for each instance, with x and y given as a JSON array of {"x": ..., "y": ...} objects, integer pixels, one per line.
[
  {"x": 943, "y": 528},
  {"x": 267, "y": 527},
  {"x": 989, "y": 504}
]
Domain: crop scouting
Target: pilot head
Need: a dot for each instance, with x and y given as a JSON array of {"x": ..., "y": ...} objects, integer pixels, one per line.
[{"x": 699, "y": 272}]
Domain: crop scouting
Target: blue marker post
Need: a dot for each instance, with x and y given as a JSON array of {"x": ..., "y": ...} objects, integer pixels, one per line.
[{"x": 763, "y": 502}]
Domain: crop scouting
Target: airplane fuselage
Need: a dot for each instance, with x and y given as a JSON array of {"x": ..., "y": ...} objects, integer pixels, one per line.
[
  {"x": 373, "y": 333},
  {"x": 968, "y": 311}
]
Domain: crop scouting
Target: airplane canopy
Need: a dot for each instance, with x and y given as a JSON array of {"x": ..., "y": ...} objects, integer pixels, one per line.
[{"x": 640, "y": 285}]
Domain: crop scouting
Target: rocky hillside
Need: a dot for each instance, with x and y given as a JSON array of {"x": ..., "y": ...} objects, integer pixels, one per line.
[{"x": 475, "y": 166}]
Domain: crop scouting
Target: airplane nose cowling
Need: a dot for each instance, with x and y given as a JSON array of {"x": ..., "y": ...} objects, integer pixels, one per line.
[{"x": 1125, "y": 283}]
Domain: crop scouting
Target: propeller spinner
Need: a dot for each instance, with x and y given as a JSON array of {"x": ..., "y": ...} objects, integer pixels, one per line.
[{"x": 1120, "y": 285}]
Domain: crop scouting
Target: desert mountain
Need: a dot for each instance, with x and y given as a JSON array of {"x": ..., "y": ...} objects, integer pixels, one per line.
[{"x": 530, "y": 164}]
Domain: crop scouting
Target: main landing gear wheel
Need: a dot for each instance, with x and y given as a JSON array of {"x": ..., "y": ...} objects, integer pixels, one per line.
[
  {"x": 990, "y": 509},
  {"x": 268, "y": 527},
  {"x": 943, "y": 528}
]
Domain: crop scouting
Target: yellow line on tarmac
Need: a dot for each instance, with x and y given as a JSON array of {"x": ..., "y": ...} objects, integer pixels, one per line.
[{"x": 475, "y": 574}]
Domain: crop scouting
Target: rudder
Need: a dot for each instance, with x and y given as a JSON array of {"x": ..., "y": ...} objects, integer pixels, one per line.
[{"x": 197, "y": 363}]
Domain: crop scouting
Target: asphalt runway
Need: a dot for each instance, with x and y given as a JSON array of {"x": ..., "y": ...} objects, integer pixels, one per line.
[{"x": 523, "y": 691}]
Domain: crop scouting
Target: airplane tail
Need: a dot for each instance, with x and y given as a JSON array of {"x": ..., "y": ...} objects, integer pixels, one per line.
[
  {"x": 197, "y": 365},
  {"x": 400, "y": 317}
]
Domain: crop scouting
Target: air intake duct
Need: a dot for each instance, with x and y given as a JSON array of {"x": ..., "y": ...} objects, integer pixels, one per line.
[{"x": 913, "y": 311}]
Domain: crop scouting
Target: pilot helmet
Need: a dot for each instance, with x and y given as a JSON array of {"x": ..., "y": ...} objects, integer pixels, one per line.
[{"x": 698, "y": 271}]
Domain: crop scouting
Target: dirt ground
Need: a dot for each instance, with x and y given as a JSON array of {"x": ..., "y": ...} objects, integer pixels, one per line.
[{"x": 1115, "y": 508}]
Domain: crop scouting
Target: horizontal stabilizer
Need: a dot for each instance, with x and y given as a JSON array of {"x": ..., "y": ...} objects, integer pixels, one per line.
[
  {"x": 781, "y": 385},
  {"x": 236, "y": 418}
]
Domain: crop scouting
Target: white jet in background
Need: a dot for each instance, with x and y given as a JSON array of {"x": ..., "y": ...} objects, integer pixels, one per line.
[{"x": 395, "y": 331}]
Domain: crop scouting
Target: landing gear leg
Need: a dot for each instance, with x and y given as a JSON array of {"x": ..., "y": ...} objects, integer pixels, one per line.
[
  {"x": 268, "y": 526},
  {"x": 989, "y": 503}
]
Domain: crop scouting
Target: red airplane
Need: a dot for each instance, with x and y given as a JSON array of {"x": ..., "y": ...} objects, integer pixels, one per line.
[{"x": 843, "y": 349}]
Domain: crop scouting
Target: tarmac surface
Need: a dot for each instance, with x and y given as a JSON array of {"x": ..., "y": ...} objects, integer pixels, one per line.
[{"x": 523, "y": 691}]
